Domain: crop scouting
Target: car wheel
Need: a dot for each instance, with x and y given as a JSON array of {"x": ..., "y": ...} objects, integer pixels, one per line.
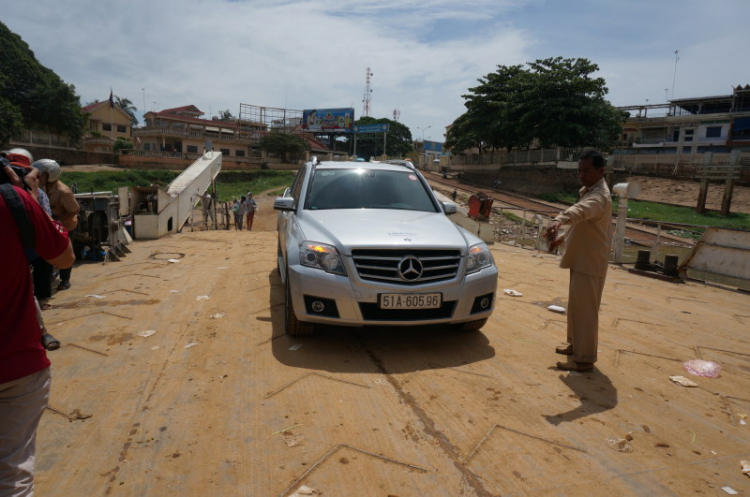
[
  {"x": 472, "y": 325},
  {"x": 292, "y": 325}
]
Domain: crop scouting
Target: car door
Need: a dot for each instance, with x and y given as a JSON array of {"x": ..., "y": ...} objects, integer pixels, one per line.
[{"x": 286, "y": 218}]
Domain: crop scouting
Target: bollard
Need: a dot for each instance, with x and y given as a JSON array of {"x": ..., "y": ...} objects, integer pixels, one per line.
[
  {"x": 643, "y": 263},
  {"x": 670, "y": 266}
]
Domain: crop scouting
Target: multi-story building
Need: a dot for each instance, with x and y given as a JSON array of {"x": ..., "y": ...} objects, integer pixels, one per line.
[
  {"x": 106, "y": 124},
  {"x": 182, "y": 131},
  {"x": 718, "y": 124},
  {"x": 181, "y": 134}
]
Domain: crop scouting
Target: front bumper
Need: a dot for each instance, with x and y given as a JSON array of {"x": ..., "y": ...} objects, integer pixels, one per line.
[{"x": 324, "y": 298}]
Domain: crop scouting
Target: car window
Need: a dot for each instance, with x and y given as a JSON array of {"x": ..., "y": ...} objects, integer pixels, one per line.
[{"x": 368, "y": 189}]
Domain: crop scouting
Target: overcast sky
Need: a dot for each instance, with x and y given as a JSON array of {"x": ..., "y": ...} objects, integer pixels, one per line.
[{"x": 424, "y": 54}]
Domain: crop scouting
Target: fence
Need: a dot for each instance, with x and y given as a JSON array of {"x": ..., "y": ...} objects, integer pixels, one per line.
[
  {"x": 525, "y": 228},
  {"x": 677, "y": 165},
  {"x": 667, "y": 165},
  {"x": 219, "y": 217}
]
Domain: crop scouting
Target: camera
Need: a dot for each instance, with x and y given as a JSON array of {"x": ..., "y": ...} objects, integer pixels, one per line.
[
  {"x": 49, "y": 342},
  {"x": 21, "y": 172}
]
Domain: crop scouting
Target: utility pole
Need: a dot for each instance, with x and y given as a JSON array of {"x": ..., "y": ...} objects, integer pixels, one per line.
[{"x": 424, "y": 150}]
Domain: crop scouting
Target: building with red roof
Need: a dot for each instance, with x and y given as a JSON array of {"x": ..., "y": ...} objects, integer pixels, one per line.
[{"x": 106, "y": 124}]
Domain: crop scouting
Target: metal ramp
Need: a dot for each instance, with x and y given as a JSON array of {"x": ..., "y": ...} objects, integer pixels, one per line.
[{"x": 158, "y": 212}]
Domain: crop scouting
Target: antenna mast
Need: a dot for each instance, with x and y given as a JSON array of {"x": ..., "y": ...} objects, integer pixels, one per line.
[
  {"x": 676, "y": 58},
  {"x": 367, "y": 97},
  {"x": 396, "y": 114}
]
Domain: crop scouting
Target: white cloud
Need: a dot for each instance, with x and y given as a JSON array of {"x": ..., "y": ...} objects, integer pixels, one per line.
[{"x": 424, "y": 54}]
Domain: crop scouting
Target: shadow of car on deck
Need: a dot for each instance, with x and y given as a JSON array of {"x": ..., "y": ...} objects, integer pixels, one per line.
[{"x": 373, "y": 349}]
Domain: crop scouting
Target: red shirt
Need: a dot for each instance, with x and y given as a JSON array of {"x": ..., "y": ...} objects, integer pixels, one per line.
[{"x": 21, "y": 351}]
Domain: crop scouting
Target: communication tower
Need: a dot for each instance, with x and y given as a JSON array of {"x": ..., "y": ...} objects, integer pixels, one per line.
[
  {"x": 396, "y": 114},
  {"x": 367, "y": 97}
]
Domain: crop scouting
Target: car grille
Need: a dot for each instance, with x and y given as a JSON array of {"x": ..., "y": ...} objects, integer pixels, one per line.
[
  {"x": 371, "y": 312},
  {"x": 383, "y": 265}
]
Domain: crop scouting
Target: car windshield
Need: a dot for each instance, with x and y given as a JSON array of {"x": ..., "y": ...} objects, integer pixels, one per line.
[{"x": 368, "y": 189}]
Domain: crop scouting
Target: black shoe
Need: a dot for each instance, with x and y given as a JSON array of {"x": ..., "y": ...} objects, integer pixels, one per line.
[{"x": 64, "y": 285}]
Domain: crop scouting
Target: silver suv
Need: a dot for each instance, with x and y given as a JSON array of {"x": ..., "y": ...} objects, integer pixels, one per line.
[{"x": 369, "y": 244}]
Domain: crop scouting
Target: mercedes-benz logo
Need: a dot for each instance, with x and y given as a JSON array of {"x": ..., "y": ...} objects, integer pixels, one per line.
[{"x": 410, "y": 268}]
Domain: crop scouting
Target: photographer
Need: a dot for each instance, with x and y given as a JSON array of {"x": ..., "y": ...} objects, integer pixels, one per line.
[
  {"x": 63, "y": 202},
  {"x": 24, "y": 367}
]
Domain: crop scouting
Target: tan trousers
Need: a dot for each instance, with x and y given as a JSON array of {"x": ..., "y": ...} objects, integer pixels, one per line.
[{"x": 584, "y": 299}]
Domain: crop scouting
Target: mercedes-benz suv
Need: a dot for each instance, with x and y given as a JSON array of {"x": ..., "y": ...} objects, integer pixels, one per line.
[{"x": 363, "y": 243}]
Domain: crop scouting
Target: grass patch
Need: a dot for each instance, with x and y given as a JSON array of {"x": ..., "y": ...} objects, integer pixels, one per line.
[
  {"x": 653, "y": 211},
  {"x": 229, "y": 184}
]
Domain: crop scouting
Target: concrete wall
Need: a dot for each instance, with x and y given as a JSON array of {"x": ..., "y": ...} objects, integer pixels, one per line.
[
  {"x": 178, "y": 162},
  {"x": 532, "y": 180},
  {"x": 68, "y": 157}
]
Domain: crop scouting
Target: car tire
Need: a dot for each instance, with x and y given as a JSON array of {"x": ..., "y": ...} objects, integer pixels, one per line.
[
  {"x": 292, "y": 325},
  {"x": 472, "y": 325}
]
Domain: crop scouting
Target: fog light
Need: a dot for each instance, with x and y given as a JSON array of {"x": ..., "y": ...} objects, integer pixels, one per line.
[
  {"x": 482, "y": 303},
  {"x": 318, "y": 306}
]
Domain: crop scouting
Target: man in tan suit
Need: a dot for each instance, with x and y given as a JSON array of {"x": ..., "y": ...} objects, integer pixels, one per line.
[{"x": 587, "y": 246}]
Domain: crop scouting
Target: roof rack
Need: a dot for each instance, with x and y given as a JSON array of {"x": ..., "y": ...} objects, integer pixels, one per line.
[{"x": 401, "y": 162}]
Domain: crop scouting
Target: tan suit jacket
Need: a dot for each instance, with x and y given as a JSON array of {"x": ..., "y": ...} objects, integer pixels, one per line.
[
  {"x": 63, "y": 204},
  {"x": 588, "y": 241}
]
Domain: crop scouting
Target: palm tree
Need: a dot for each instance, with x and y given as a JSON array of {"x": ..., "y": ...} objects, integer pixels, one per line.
[{"x": 129, "y": 109}]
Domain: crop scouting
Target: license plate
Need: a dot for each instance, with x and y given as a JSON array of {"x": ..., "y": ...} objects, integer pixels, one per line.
[{"x": 410, "y": 300}]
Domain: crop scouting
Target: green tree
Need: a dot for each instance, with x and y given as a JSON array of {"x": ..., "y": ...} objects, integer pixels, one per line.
[
  {"x": 32, "y": 96},
  {"x": 127, "y": 106},
  {"x": 11, "y": 121},
  {"x": 288, "y": 147},
  {"x": 122, "y": 144},
  {"x": 555, "y": 101},
  {"x": 398, "y": 140},
  {"x": 225, "y": 115}
]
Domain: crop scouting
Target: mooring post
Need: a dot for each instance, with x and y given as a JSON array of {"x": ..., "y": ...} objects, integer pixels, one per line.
[
  {"x": 726, "y": 201},
  {"x": 703, "y": 195}
]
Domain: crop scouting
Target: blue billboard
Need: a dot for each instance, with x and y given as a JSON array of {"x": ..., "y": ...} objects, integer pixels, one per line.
[
  {"x": 328, "y": 120},
  {"x": 372, "y": 128}
]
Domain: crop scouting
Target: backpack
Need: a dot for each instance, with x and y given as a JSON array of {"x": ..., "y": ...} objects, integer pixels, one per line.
[{"x": 20, "y": 214}]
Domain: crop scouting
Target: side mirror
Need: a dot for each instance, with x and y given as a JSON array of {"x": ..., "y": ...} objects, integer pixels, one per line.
[
  {"x": 283, "y": 203},
  {"x": 449, "y": 208}
]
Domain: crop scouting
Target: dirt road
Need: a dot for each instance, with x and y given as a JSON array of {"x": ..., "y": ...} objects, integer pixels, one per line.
[{"x": 219, "y": 401}]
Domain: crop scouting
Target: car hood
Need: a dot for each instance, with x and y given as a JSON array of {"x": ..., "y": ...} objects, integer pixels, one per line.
[{"x": 383, "y": 228}]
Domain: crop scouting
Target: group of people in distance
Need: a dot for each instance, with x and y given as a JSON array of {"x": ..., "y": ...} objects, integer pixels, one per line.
[
  {"x": 244, "y": 207},
  {"x": 241, "y": 208}
]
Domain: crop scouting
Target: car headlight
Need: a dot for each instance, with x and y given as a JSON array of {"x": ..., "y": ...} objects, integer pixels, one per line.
[
  {"x": 479, "y": 258},
  {"x": 321, "y": 256}
]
